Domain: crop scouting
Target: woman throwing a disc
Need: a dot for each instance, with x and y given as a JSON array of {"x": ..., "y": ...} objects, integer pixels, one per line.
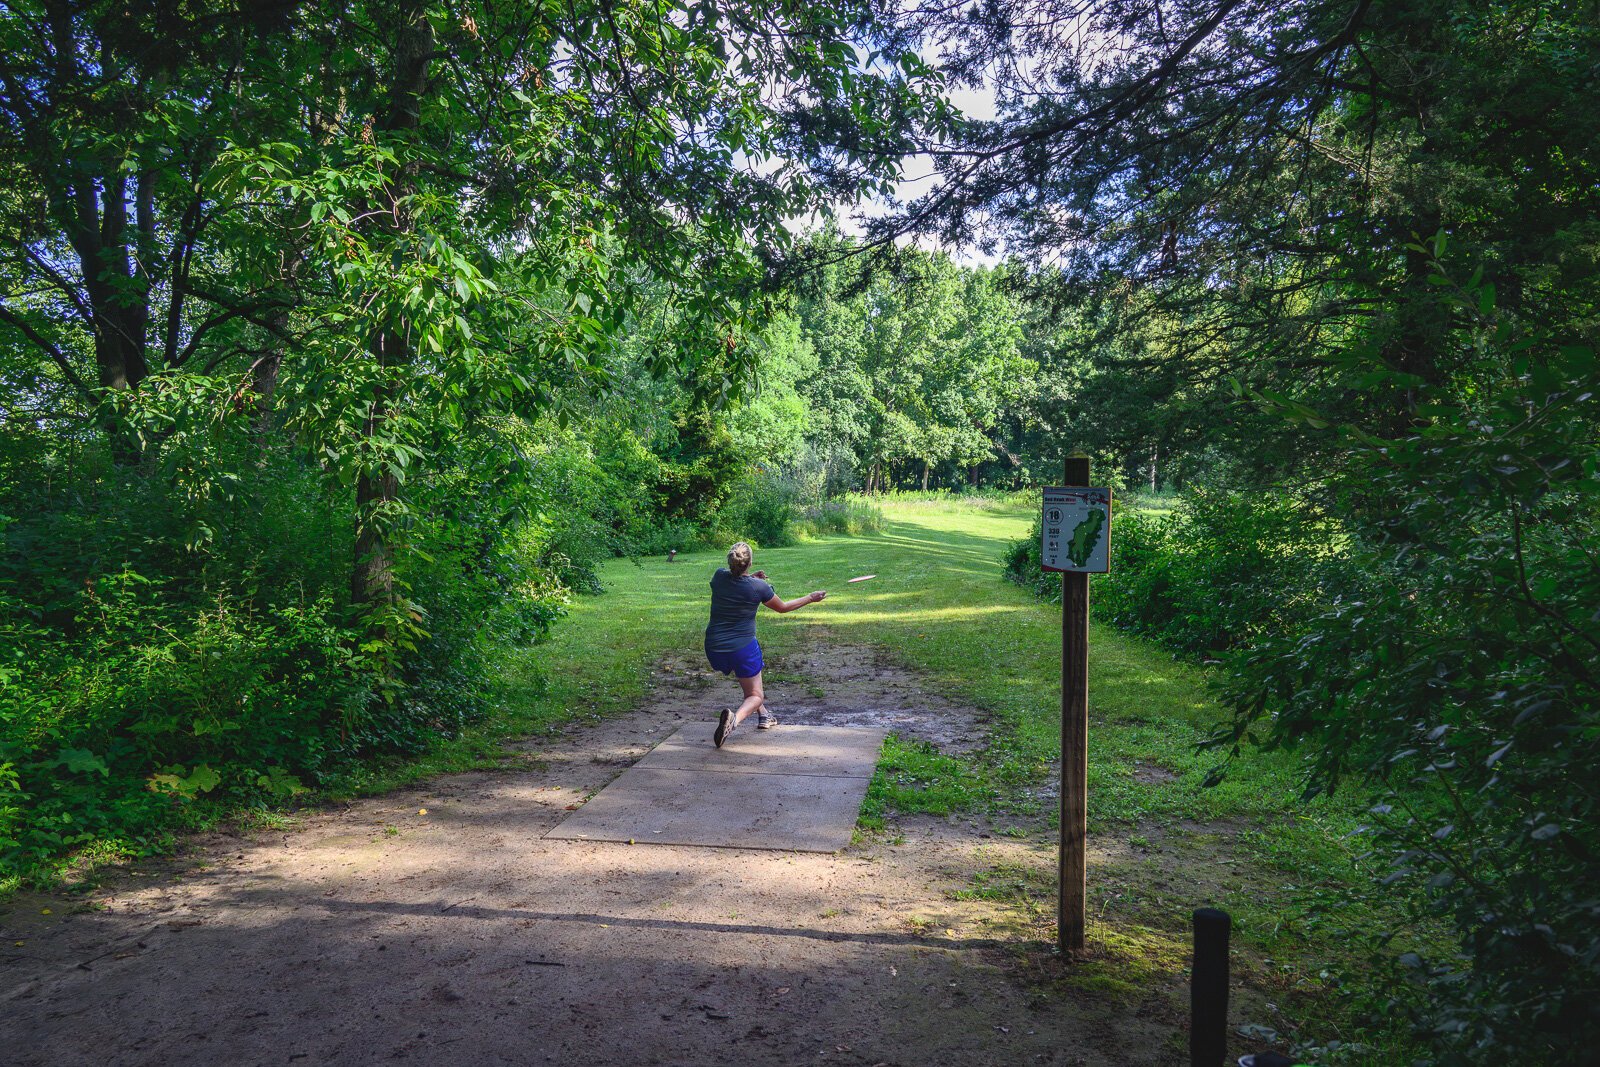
[{"x": 731, "y": 645}]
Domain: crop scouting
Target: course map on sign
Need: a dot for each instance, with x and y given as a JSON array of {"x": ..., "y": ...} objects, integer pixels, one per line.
[{"x": 1076, "y": 529}]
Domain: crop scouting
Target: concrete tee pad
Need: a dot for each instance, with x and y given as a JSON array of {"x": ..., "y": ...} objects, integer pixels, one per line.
[{"x": 795, "y": 788}]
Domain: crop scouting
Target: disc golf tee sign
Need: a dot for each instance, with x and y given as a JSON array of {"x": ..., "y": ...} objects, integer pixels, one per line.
[
  {"x": 1077, "y": 530},
  {"x": 1076, "y": 522}
]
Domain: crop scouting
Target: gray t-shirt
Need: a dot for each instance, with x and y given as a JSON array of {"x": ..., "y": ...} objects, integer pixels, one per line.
[{"x": 734, "y": 603}]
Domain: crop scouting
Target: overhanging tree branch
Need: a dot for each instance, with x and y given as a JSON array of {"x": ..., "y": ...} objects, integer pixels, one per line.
[{"x": 52, "y": 350}]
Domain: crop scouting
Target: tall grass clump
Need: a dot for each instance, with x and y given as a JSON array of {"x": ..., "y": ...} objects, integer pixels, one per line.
[
  {"x": 850, "y": 515},
  {"x": 968, "y": 498}
]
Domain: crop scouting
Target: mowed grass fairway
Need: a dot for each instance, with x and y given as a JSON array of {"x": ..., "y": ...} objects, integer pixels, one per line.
[{"x": 1161, "y": 843}]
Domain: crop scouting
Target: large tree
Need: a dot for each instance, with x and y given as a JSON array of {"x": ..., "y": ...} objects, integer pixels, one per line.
[{"x": 373, "y": 222}]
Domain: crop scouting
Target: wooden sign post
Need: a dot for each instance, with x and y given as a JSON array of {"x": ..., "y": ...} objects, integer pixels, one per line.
[{"x": 1077, "y": 542}]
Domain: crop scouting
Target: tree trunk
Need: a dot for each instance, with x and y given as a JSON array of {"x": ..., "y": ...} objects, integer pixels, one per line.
[
  {"x": 373, "y": 577},
  {"x": 927, "y": 468},
  {"x": 377, "y": 490},
  {"x": 118, "y": 294},
  {"x": 1422, "y": 323},
  {"x": 1155, "y": 453},
  {"x": 264, "y": 374}
]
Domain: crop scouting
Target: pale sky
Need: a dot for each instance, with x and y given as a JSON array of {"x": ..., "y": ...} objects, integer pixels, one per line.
[{"x": 920, "y": 178}]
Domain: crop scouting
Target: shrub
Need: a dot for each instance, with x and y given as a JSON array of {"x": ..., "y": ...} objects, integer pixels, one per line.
[
  {"x": 157, "y": 703},
  {"x": 167, "y": 652},
  {"x": 1214, "y": 573},
  {"x": 761, "y": 505}
]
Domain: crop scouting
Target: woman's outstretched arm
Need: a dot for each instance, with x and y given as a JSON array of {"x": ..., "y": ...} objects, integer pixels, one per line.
[{"x": 778, "y": 604}]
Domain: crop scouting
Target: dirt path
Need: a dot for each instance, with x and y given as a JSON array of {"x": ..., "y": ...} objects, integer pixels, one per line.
[{"x": 378, "y": 933}]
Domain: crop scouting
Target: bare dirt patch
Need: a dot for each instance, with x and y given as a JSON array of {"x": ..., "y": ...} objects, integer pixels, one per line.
[
  {"x": 1152, "y": 773},
  {"x": 436, "y": 923}
]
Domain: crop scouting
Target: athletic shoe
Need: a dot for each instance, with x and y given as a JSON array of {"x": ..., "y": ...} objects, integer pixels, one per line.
[
  {"x": 765, "y": 720},
  {"x": 725, "y": 727}
]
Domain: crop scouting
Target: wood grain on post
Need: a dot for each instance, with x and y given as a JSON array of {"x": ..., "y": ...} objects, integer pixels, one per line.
[{"x": 1074, "y": 743}]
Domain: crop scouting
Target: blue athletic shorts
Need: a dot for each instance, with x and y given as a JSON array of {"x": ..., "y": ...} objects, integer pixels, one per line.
[{"x": 742, "y": 663}]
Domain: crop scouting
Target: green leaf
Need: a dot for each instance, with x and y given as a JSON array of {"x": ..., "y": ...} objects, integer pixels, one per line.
[{"x": 82, "y": 761}]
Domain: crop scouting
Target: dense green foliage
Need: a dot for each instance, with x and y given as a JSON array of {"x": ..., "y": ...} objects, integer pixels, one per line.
[
  {"x": 1218, "y": 572},
  {"x": 914, "y": 370},
  {"x": 1461, "y": 677},
  {"x": 297, "y": 309},
  {"x": 1443, "y": 653}
]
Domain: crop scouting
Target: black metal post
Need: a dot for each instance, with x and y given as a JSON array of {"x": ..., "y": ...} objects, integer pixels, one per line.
[{"x": 1208, "y": 989}]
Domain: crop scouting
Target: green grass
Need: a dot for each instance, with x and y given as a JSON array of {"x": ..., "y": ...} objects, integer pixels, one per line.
[{"x": 913, "y": 776}]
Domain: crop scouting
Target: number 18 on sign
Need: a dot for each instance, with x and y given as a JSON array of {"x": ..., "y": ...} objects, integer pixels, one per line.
[{"x": 1077, "y": 530}]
